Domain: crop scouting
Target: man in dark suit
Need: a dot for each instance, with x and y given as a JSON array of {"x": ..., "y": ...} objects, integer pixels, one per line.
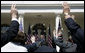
[
  {"x": 65, "y": 46},
  {"x": 76, "y": 32},
  {"x": 17, "y": 44},
  {"x": 44, "y": 47},
  {"x": 13, "y": 29}
]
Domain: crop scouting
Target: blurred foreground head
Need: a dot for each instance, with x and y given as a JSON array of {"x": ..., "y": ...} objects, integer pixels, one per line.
[{"x": 21, "y": 38}]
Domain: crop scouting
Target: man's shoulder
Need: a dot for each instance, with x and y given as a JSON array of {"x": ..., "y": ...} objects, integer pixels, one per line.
[
  {"x": 13, "y": 47},
  {"x": 45, "y": 49}
]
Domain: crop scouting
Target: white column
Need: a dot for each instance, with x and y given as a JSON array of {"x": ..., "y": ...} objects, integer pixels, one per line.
[
  {"x": 57, "y": 24},
  {"x": 21, "y": 19}
]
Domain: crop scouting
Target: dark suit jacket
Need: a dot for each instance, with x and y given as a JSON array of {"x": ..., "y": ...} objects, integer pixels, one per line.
[
  {"x": 45, "y": 49},
  {"x": 10, "y": 33},
  {"x": 76, "y": 32},
  {"x": 35, "y": 47},
  {"x": 65, "y": 46},
  {"x": 31, "y": 47}
]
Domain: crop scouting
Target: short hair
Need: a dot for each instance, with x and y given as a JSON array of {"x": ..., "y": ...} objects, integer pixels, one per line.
[{"x": 21, "y": 37}]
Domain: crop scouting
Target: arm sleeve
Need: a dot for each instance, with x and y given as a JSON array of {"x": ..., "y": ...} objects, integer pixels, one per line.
[
  {"x": 10, "y": 33},
  {"x": 59, "y": 42},
  {"x": 31, "y": 47},
  {"x": 76, "y": 31}
]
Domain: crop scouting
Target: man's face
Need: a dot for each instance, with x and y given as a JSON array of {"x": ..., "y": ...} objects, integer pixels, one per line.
[{"x": 42, "y": 36}]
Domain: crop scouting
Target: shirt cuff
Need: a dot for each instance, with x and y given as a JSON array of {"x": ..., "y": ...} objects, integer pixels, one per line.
[{"x": 14, "y": 19}]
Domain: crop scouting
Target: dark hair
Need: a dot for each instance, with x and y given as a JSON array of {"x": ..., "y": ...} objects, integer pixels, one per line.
[{"x": 21, "y": 37}]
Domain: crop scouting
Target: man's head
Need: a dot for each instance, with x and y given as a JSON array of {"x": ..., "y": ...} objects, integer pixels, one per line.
[
  {"x": 21, "y": 38},
  {"x": 43, "y": 36}
]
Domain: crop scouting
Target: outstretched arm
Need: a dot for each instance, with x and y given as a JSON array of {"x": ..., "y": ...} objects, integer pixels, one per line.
[
  {"x": 13, "y": 29},
  {"x": 76, "y": 32}
]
